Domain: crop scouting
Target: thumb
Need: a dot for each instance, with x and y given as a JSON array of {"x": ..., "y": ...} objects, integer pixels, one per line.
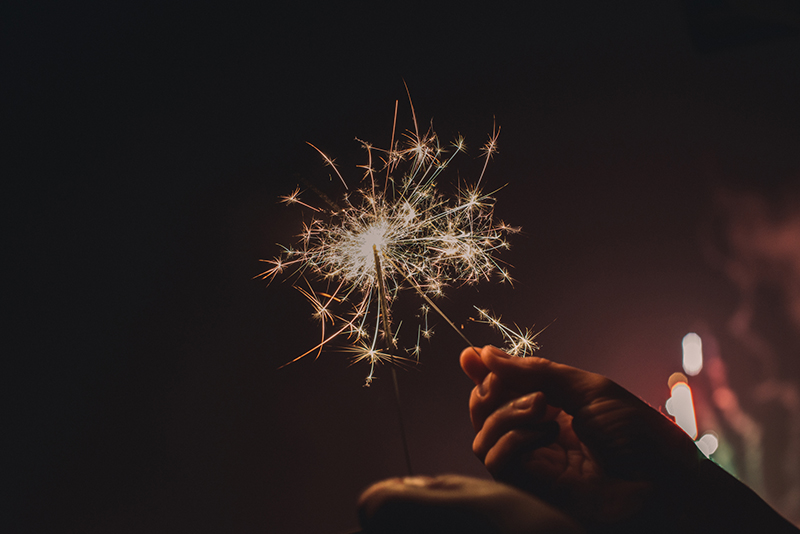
[{"x": 566, "y": 387}]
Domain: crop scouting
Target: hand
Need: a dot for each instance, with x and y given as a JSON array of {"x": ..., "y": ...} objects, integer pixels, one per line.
[
  {"x": 454, "y": 503},
  {"x": 576, "y": 439}
]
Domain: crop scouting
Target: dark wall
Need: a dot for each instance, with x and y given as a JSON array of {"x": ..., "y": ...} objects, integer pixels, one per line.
[{"x": 146, "y": 147}]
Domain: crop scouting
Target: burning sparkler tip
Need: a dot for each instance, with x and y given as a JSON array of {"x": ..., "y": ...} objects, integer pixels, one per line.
[{"x": 394, "y": 232}]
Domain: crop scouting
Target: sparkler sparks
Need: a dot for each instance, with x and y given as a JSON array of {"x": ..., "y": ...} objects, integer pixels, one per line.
[
  {"x": 391, "y": 233},
  {"x": 519, "y": 342}
]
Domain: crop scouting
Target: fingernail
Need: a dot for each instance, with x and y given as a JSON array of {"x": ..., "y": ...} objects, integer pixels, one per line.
[{"x": 526, "y": 402}]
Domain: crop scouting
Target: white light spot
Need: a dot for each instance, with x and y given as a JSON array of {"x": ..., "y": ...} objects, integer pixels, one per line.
[
  {"x": 373, "y": 236},
  {"x": 692, "y": 354},
  {"x": 708, "y": 443},
  {"x": 681, "y": 407}
]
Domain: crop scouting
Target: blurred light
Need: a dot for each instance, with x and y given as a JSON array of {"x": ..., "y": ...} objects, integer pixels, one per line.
[
  {"x": 674, "y": 378},
  {"x": 692, "y": 354},
  {"x": 725, "y": 399},
  {"x": 681, "y": 407},
  {"x": 708, "y": 443}
]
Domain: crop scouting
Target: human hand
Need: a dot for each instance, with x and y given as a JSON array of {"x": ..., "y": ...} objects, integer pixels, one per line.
[
  {"x": 574, "y": 438},
  {"x": 454, "y": 503}
]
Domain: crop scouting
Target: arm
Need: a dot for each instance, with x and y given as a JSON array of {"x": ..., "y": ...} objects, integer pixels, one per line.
[
  {"x": 718, "y": 502},
  {"x": 613, "y": 462}
]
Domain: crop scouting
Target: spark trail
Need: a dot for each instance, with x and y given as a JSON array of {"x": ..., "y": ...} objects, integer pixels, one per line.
[{"x": 396, "y": 216}]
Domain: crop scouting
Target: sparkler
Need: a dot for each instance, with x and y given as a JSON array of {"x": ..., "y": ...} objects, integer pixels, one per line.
[{"x": 396, "y": 231}]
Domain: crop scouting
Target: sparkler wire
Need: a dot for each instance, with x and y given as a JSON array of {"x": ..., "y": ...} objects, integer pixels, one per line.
[
  {"x": 400, "y": 230},
  {"x": 430, "y": 303},
  {"x": 391, "y": 234},
  {"x": 392, "y": 346}
]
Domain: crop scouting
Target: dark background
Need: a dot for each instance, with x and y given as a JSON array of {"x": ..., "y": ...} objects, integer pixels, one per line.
[{"x": 145, "y": 149}]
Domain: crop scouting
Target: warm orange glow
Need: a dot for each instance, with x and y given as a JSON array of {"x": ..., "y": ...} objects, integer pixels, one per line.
[{"x": 674, "y": 378}]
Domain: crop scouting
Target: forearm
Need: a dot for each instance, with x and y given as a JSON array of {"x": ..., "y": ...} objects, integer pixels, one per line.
[
  {"x": 707, "y": 501},
  {"x": 721, "y": 503}
]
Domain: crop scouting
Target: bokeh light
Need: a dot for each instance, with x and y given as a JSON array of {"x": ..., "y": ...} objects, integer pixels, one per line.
[
  {"x": 708, "y": 443},
  {"x": 692, "y": 354},
  {"x": 681, "y": 406}
]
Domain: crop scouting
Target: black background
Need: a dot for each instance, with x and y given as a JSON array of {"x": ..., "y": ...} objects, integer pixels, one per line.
[{"x": 146, "y": 147}]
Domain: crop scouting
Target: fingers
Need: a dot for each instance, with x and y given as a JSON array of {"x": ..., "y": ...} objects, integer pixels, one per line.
[
  {"x": 491, "y": 392},
  {"x": 474, "y": 368},
  {"x": 566, "y": 387},
  {"x": 524, "y": 412},
  {"x": 628, "y": 437},
  {"x": 472, "y": 365},
  {"x": 481, "y": 404},
  {"x": 505, "y": 458},
  {"x": 513, "y": 432}
]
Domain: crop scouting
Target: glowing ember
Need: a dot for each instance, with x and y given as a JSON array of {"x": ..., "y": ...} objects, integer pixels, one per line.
[{"x": 420, "y": 238}]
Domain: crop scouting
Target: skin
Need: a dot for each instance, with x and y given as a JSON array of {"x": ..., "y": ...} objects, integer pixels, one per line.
[
  {"x": 573, "y": 452},
  {"x": 574, "y": 438},
  {"x": 454, "y": 503}
]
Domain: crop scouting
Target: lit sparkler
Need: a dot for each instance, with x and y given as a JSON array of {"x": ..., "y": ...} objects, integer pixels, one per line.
[
  {"x": 396, "y": 231},
  {"x": 519, "y": 342}
]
